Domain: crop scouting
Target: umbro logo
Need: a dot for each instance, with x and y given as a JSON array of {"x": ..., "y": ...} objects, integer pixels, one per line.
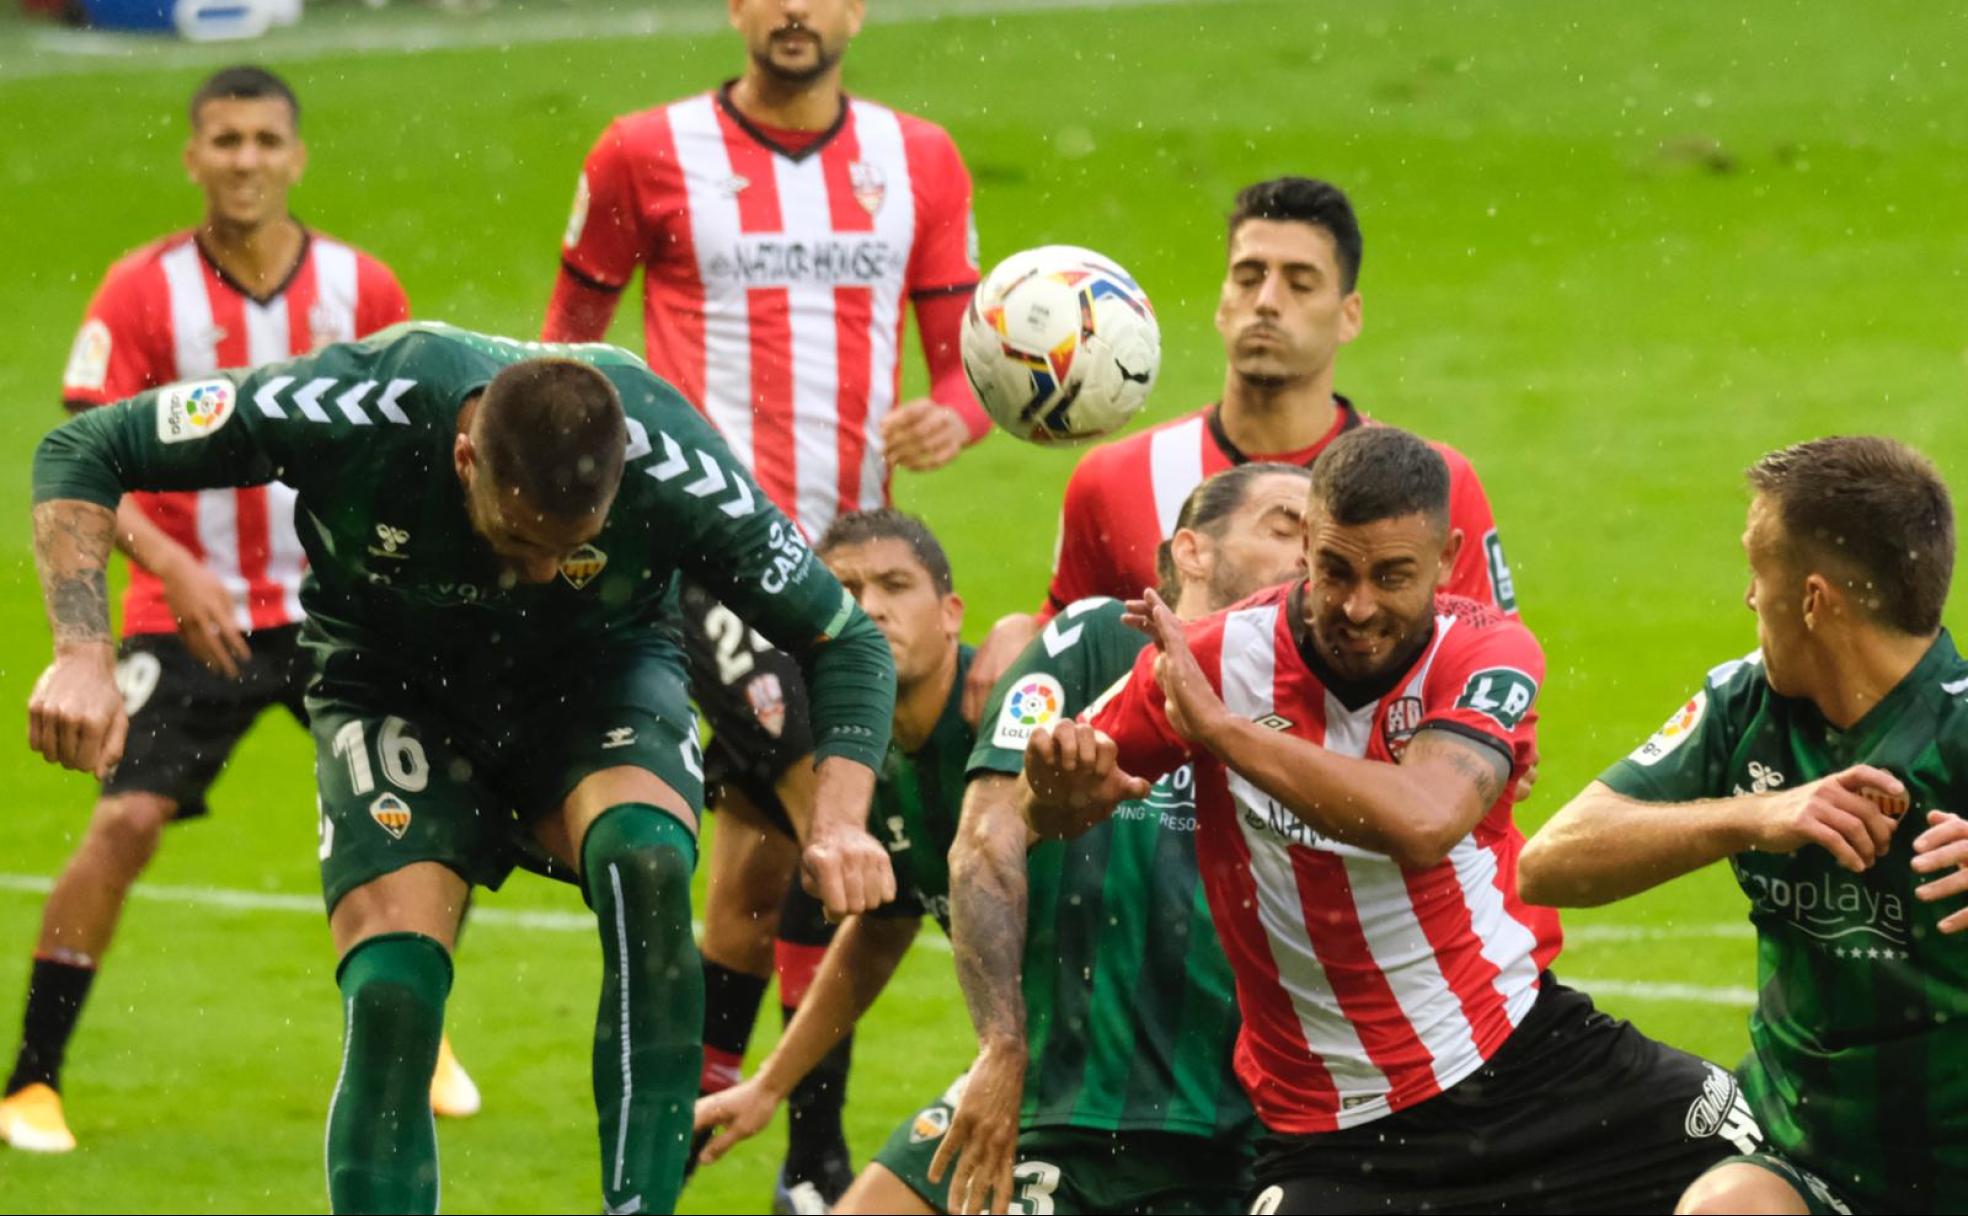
[
  {"x": 1275, "y": 722},
  {"x": 393, "y": 539},
  {"x": 733, "y": 186},
  {"x": 618, "y": 736}
]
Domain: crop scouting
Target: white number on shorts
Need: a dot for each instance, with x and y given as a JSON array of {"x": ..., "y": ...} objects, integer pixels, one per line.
[
  {"x": 403, "y": 757},
  {"x": 327, "y": 831},
  {"x": 736, "y": 643},
  {"x": 1039, "y": 1180}
]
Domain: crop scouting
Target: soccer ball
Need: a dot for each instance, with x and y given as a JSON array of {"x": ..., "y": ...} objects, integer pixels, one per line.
[{"x": 1061, "y": 345}]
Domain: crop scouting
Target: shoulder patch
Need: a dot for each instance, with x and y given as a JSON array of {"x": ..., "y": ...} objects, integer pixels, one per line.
[
  {"x": 194, "y": 411},
  {"x": 1502, "y": 694},
  {"x": 1673, "y": 733},
  {"x": 1502, "y": 589},
  {"x": 88, "y": 360},
  {"x": 1033, "y": 702}
]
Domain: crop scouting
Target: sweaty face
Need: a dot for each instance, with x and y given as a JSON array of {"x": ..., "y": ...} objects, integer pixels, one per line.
[
  {"x": 1370, "y": 595},
  {"x": 1260, "y": 544},
  {"x": 1776, "y": 596},
  {"x": 1283, "y": 313},
  {"x": 795, "y": 41},
  {"x": 899, "y": 595},
  {"x": 246, "y": 154}
]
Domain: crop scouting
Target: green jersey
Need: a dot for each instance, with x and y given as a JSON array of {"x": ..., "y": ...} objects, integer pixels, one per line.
[
  {"x": 364, "y": 433},
  {"x": 916, "y": 807},
  {"x": 1859, "y": 1064},
  {"x": 1130, "y": 1010}
]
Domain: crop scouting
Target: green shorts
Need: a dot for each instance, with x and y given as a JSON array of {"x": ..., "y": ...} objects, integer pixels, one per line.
[
  {"x": 1071, "y": 1170},
  {"x": 458, "y": 771},
  {"x": 1818, "y": 1196}
]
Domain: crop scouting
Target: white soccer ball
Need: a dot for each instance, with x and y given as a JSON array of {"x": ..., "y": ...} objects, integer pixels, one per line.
[{"x": 1061, "y": 345}]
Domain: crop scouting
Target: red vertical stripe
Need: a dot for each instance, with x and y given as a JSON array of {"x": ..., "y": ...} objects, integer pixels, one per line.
[
  {"x": 300, "y": 298},
  {"x": 1439, "y": 905},
  {"x": 1507, "y": 843},
  {"x": 673, "y": 323},
  {"x": 1358, "y": 984},
  {"x": 264, "y": 599}
]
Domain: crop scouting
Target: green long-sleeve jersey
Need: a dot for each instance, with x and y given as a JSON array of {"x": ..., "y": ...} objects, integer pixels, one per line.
[
  {"x": 364, "y": 432},
  {"x": 1862, "y": 1004}
]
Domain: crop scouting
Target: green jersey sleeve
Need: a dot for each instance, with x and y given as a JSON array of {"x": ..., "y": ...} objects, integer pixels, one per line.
[
  {"x": 741, "y": 548},
  {"x": 1082, "y": 651},
  {"x": 1688, "y": 757}
]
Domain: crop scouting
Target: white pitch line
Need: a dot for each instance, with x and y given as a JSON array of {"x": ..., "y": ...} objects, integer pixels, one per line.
[
  {"x": 84, "y": 52},
  {"x": 545, "y": 921}
]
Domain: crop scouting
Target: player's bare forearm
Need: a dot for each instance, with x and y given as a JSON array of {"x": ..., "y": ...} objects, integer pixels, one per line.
[
  {"x": 857, "y": 966},
  {"x": 1604, "y": 846},
  {"x": 842, "y": 789},
  {"x": 988, "y": 892},
  {"x": 143, "y": 542},
  {"x": 72, "y": 541},
  {"x": 1414, "y": 811}
]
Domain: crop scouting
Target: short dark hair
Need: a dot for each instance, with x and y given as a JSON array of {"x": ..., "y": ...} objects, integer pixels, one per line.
[
  {"x": 1373, "y": 473},
  {"x": 1208, "y": 508},
  {"x": 554, "y": 430},
  {"x": 1875, "y": 510},
  {"x": 245, "y": 82},
  {"x": 887, "y": 523},
  {"x": 1306, "y": 200}
]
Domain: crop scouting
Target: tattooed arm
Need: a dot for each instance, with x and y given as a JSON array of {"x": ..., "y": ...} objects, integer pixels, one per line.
[
  {"x": 75, "y": 716},
  {"x": 987, "y": 914}
]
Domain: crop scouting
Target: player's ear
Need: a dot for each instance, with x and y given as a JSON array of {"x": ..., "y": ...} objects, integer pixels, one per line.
[
  {"x": 1451, "y": 549},
  {"x": 857, "y": 12},
  {"x": 1349, "y": 317},
  {"x": 1819, "y": 601},
  {"x": 737, "y": 14},
  {"x": 1190, "y": 554},
  {"x": 953, "y": 614},
  {"x": 465, "y": 458}
]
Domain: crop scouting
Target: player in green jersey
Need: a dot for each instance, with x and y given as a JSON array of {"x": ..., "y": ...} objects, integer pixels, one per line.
[
  {"x": 1797, "y": 766},
  {"x": 1107, "y": 1017},
  {"x": 898, "y": 572},
  {"x": 494, "y": 532}
]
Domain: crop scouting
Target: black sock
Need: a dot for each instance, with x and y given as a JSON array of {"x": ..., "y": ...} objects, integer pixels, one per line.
[
  {"x": 55, "y": 992},
  {"x": 813, "y": 1113},
  {"x": 731, "y": 1009}
]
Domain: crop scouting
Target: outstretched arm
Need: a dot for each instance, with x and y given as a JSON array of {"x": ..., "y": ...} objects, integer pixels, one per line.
[
  {"x": 75, "y": 716},
  {"x": 1604, "y": 846}
]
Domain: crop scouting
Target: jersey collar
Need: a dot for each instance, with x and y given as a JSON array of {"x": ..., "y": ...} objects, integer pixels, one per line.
[
  {"x": 279, "y": 289},
  {"x": 1349, "y": 418},
  {"x": 760, "y": 137},
  {"x": 1920, "y": 683}
]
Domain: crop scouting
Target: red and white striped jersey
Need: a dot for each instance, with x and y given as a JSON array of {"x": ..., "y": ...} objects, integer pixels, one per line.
[
  {"x": 167, "y": 312},
  {"x": 1123, "y": 498},
  {"x": 775, "y": 278},
  {"x": 1365, "y": 988}
]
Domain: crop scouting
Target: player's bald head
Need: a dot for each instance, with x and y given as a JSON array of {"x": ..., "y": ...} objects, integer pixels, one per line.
[{"x": 553, "y": 431}]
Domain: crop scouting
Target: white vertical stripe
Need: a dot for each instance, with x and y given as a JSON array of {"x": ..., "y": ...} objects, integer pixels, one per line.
[
  {"x": 1506, "y": 942},
  {"x": 194, "y": 339},
  {"x": 1249, "y": 691},
  {"x": 218, "y": 535},
  {"x": 1175, "y": 467},
  {"x": 815, "y": 350},
  {"x": 879, "y": 134},
  {"x": 714, "y": 231},
  {"x": 622, "y": 978},
  {"x": 266, "y": 331},
  {"x": 332, "y": 317},
  {"x": 335, "y": 1095}
]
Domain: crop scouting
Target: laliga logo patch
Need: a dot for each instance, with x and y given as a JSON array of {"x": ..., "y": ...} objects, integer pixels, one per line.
[
  {"x": 1673, "y": 733},
  {"x": 581, "y": 567},
  {"x": 193, "y": 411},
  {"x": 88, "y": 360},
  {"x": 929, "y": 1124},
  {"x": 392, "y": 814},
  {"x": 1033, "y": 703},
  {"x": 869, "y": 183}
]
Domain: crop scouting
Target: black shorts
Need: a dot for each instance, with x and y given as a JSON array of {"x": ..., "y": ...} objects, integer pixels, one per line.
[
  {"x": 185, "y": 718},
  {"x": 1576, "y": 1112},
  {"x": 754, "y": 699}
]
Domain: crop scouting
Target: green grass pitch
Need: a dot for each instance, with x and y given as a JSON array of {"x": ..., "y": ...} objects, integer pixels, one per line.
[{"x": 1613, "y": 253}]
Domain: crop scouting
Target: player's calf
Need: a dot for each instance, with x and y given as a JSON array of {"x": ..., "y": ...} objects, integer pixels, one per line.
[{"x": 382, "y": 1143}]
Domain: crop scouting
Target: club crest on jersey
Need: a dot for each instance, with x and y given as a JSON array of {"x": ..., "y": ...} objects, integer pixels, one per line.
[
  {"x": 768, "y": 701},
  {"x": 193, "y": 411},
  {"x": 869, "y": 183},
  {"x": 1501, "y": 694},
  {"x": 929, "y": 1124},
  {"x": 329, "y": 323},
  {"x": 1673, "y": 733},
  {"x": 88, "y": 361},
  {"x": 1034, "y": 702},
  {"x": 1402, "y": 721},
  {"x": 392, "y": 814},
  {"x": 581, "y": 567}
]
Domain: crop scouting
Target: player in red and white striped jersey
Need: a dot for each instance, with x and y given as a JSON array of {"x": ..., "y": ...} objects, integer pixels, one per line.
[
  {"x": 212, "y": 613},
  {"x": 1355, "y": 737},
  {"x": 783, "y": 230},
  {"x": 1289, "y": 302}
]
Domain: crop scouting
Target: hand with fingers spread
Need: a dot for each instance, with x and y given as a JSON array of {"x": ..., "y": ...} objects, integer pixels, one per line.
[
  {"x": 203, "y": 609},
  {"x": 982, "y": 1142},
  {"x": 75, "y": 716},
  {"x": 1850, "y": 814},
  {"x": 737, "y": 1114},
  {"x": 1073, "y": 772},
  {"x": 923, "y": 434},
  {"x": 1194, "y": 709},
  {"x": 1941, "y": 848}
]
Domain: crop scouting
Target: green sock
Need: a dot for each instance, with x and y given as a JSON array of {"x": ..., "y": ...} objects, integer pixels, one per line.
[
  {"x": 648, "y": 1052},
  {"x": 382, "y": 1145}
]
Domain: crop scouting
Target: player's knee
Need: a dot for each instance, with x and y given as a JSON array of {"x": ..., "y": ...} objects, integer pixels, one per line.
[
  {"x": 1740, "y": 1187},
  {"x": 395, "y": 987},
  {"x": 636, "y": 864},
  {"x": 126, "y": 829}
]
